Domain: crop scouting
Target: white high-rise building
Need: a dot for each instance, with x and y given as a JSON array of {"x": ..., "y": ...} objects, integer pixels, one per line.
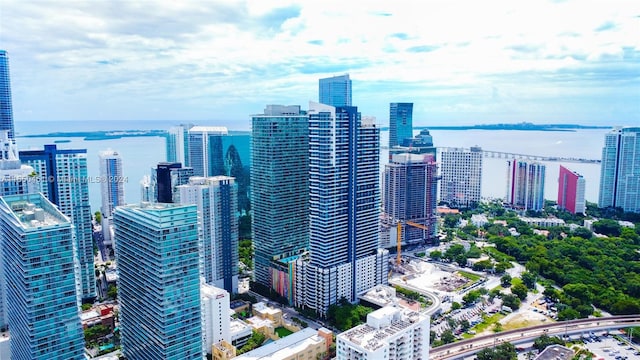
[
  {"x": 391, "y": 333},
  {"x": 217, "y": 201},
  {"x": 620, "y": 169},
  {"x": 344, "y": 207},
  {"x": 216, "y": 316},
  {"x": 461, "y": 176},
  {"x": 111, "y": 181},
  {"x": 525, "y": 185}
]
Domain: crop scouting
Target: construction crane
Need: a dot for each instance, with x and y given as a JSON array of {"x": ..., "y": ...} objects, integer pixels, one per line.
[{"x": 399, "y": 237}]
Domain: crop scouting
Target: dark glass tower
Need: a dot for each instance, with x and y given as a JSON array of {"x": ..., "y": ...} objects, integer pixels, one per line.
[
  {"x": 6, "y": 110},
  {"x": 400, "y": 123}
]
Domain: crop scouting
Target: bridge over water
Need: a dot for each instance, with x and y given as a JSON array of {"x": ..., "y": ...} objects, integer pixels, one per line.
[{"x": 510, "y": 155}]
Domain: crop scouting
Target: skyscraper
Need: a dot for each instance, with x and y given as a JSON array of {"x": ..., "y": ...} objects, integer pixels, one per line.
[
  {"x": 620, "y": 170},
  {"x": 410, "y": 190},
  {"x": 62, "y": 176},
  {"x": 525, "y": 185},
  {"x": 42, "y": 294},
  {"x": 461, "y": 176},
  {"x": 344, "y": 194},
  {"x": 217, "y": 201},
  {"x": 168, "y": 176},
  {"x": 400, "y": 123},
  {"x": 571, "y": 188},
  {"x": 335, "y": 91},
  {"x": 159, "y": 281},
  {"x": 111, "y": 181},
  {"x": 178, "y": 144},
  {"x": 6, "y": 107},
  {"x": 205, "y": 150},
  {"x": 279, "y": 193}
]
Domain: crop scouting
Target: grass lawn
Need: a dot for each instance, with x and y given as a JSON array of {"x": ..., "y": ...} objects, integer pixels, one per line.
[
  {"x": 520, "y": 323},
  {"x": 282, "y": 332},
  {"x": 470, "y": 276},
  {"x": 488, "y": 321}
]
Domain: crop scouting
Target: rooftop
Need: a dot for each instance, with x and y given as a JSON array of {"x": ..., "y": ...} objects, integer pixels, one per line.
[
  {"x": 220, "y": 130},
  {"x": 34, "y": 211},
  {"x": 285, "y": 347},
  {"x": 555, "y": 352}
]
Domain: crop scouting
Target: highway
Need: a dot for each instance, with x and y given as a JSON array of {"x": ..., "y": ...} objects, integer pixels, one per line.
[{"x": 471, "y": 346}]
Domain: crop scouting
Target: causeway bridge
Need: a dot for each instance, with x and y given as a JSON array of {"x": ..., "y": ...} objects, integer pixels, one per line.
[{"x": 509, "y": 155}]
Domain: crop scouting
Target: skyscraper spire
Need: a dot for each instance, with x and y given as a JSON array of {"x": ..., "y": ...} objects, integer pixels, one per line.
[{"x": 6, "y": 110}]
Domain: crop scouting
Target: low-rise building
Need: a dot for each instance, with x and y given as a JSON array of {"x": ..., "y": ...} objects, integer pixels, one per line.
[
  {"x": 390, "y": 333},
  {"x": 216, "y": 316},
  {"x": 240, "y": 332},
  {"x": 544, "y": 222},
  {"x": 304, "y": 344},
  {"x": 479, "y": 220},
  {"x": 555, "y": 352}
]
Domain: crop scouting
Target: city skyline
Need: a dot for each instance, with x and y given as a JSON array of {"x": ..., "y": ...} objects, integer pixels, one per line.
[{"x": 492, "y": 62}]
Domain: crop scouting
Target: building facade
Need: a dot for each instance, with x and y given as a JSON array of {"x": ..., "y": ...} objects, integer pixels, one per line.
[
  {"x": 159, "y": 281},
  {"x": 217, "y": 201},
  {"x": 525, "y": 185},
  {"x": 111, "y": 181},
  {"x": 410, "y": 190},
  {"x": 571, "y": 188},
  {"x": 620, "y": 170},
  {"x": 344, "y": 195},
  {"x": 178, "y": 144},
  {"x": 41, "y": 279},
  {"x": 461, "y": 176},
  {"x": 279, "y": 193},
  {"x": 6, "y": 107},
  {"x": 400, "y": 123},
  {"x": 216, "y": 316},
  {"x": 168, "y": 176},
  {"x": 62, "y": 177},
  {"x": 335, "y": 90},
  {"x": 205, "y": 150},
  {"x": 390, "y": 333}
]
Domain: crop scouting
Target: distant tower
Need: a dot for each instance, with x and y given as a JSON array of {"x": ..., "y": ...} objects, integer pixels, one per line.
[
  {"x": 148, "y": 188},
  {"x": 461, "y": 176},
  {"x": 159, "y": 281},
  {"x": 217, "y": 201},
  {"x": 205, "y": 150},
  {"x": 279, "y": 193},
  {"x": 6, "y": 109},
  {"x": 335, "y": 91},
  {"x": 400, "y": 123},
  {"x": 168, "y": 177},
  {"x": 525, "y": 185},
  {"x": 178, "y": 144},
  {"x": 62, "y": 176},
  {"x": 410, "y": 190},
  {"x": 620, "y": 170},
  {"x": 40, "y": 269},
  {"x": 344, "y": 260},
  {"x": 111, "y": 181},
  {"x": 571, "y": 188}
]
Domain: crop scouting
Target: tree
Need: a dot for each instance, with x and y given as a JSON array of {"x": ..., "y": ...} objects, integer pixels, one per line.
[
  {"x": 520, "y": 291},
  {"x": 98, "y": 216},
  {"x": 583, "y": 233},
  {"x": 545, "y": 340},
  {"x": 435, "y": 255},
  {"x": 502, "y": 266},
  {"x": 455, "y": 306},
  {"x": 471, "y": 297},
  {"x": 451, "y": 220},
  {"x": 447, "y": 337},
  {"x": 112, "y": 291},
  {"x": 465, "y": 325},
  {"x": 504, "y": 351},
  {"x": 529, "y": 279},
  {"x": 607, "y": 227},
  {"x": 505, "y": 280},
  {"x": 511, "y": 301}
]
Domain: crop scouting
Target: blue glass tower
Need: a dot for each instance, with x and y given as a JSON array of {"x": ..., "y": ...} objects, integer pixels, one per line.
[
  {"x": 279, "y": 192},
  {"x": 620, "y": 170},
  {"x": 159, "y": 281},
  {"x": 400, "y": 123},
  {"x": 6, "y": 109},
  {"x": 62, "y": 176},
  {"x": 205, "y": 150},
  {"x": 335, "y": 91},
  {"x": 42, "y": 295}
]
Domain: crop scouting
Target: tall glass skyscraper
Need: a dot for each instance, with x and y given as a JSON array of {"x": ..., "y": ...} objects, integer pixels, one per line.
[
  {"x": 62, "y": 176},
  {"x": 344, "y": 201},
  {"x": 159, "y": 281},
  {"x": 42, "y": 294},
  {"x": 400, "y": 123},
  {"x": 178, "y": 144},
  {"x": 335, "y": 91},
  {"x": 620, "y": 170},
  {"x": 205, "y": 150},
  {"x": 111, "y": 181},
  {"x": 279, "y": 193},
  {"x": 6, "y": 109},
  {"x": 217, "y": 201},
  {"x": 525, "y": 185}
]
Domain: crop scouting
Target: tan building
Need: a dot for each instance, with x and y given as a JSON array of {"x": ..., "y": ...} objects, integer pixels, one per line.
[
  {"x": 306, "y": 344},
  {"x": 223, "y": 351}
]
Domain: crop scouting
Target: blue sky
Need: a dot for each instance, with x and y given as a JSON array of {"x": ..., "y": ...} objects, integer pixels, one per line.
[{"x": 218, "y": 61}]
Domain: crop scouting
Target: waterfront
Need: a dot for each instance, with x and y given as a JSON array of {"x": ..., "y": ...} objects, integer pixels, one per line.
[{"x": 140, "y": 154}]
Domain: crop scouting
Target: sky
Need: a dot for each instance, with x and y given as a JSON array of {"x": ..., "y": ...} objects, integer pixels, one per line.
[{"x": 219, "y": 61}]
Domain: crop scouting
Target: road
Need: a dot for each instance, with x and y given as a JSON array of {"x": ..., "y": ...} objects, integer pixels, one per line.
[{"x": 472, "y": 346}]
